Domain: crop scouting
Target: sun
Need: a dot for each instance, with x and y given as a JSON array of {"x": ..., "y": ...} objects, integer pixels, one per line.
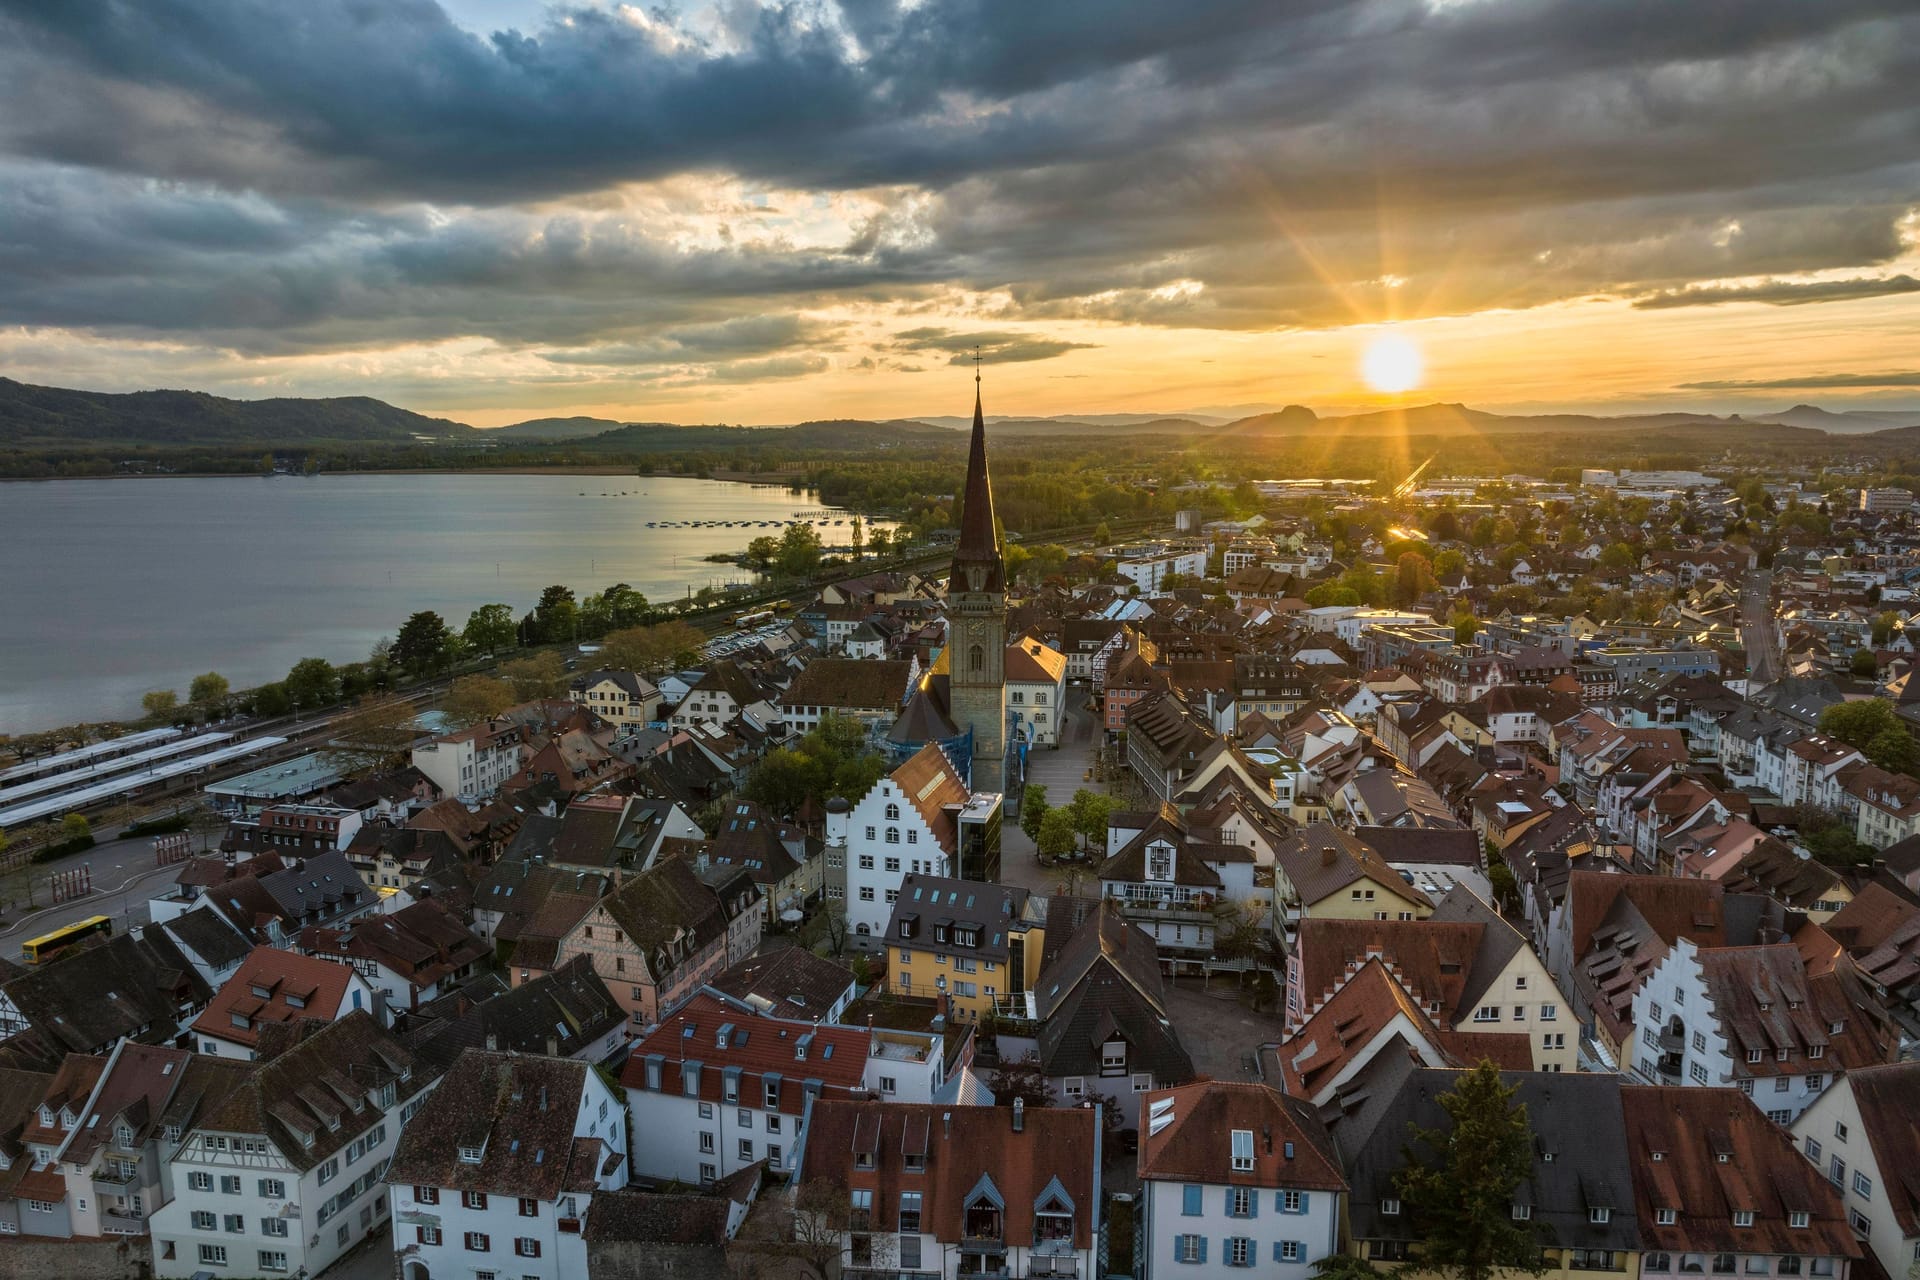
[{"x": 1392, "y": 364}]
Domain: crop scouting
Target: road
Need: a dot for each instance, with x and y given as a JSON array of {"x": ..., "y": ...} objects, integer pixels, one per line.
[
  {"x": 124, "y": 877},
  {"x": 1061, "y": 772},
  {"x": 1757, "y": 632}
]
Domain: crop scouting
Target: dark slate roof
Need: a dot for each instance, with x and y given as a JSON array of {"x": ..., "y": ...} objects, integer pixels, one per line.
[
  {"x": 926, "y": 902},
  {"x": 1107, "y": 980},
  {"x": 310, "y": 1087},
  {"x": 1460, "y": 848},
  {"x": 793, "y": 980},
  {"x": 133, "y": 984},
  {"x": 1580, "y": 1162},
  {"x": 1498, "y": 944},
  {"x": 210, "y": 937},
  {"x": 647, "y": 1217},
  {"x": 519, "y": 1108}
]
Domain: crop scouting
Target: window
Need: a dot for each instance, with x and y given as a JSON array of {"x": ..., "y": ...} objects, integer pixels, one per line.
[
  {"x": 1390, "y": 1208},
  {"x": 273, "y": 1189},
  {"x": 1697, "y": 1073},
  {"x": 1599, "y": 1216},
  {"x": 866, "y": 893},
  {"x": 1699, "y": 1042},
  {"x": 1287, "y": 1251},
  {"x": 708, "y": 1173},
  {"x": 213, "y": 1255},
  {"x": 1239, "y": 1251},
  {"x": 706, "y": 1143},
  {"x": 1243, "y": 1150},
  {"x": 203, "y": 1220},
  {"x": 773, "y": 1155},
  {"x": 1816, "y": 1082},
  {"x": 1666, "y": 1217},
  {"x": 529, "y": 1207},
  {"x": 477, "y": 1242},
  {"x": 1522, "y": 1213},
  {"x": 1549, "y": 1012},
  {"x": 1723, "y": 1264},
  {"x": 1292, "y": 1202},
  {"x": 1743, "y": 1217},
  {"x": 1656, "y": 1262},
  {"x": 1861, "y": 1222},
  {"x": 1240, "y": 1202},
  {"x": 1839, "y": 1131},
  {"x": 1190, "y": 1248},
  {"x": 909, "y": 1212},
  {"x": 1782, "y": 1083},
  {"x": 1073, "y": 1086},
  {"x": 235, "y": 1224},
  {"x": 1789, "y": 1265},
  {"x": 473, "y": 1199},
  {"x": 746, "y": 1150},
  {"x": 329, "y": 1171},
  {"x": 526, "y": 1247},
  {"x": 200, "y": 1181},
  {"x": 1862, "y": 1185},
  {"x": 1837, "y": 1171}
]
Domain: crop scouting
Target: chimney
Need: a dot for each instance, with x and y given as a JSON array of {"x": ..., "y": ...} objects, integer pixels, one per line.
[
  {"x": 493, "y": 1040},
  {"x": 553, "y": 1047},
  {"x": 1019, "y": 1115},
  {"x": 1326, "y": 854}
]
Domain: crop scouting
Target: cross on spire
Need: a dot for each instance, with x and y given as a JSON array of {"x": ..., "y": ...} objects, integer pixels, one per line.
[{"x": 976, "y": 365}]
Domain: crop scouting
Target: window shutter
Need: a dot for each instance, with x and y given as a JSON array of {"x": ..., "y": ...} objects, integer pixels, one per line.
[
  {"x": 1253, "y": 1204},
  {"x": 1203, "y": 1248},
  {"x": 1190, "y": 1197},
  {"x": 1276, "y": 1251},
  {"x": 1305, "y": 1197}
]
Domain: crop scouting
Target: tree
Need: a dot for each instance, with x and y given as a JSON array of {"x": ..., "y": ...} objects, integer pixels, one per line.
[
  {"x": 1102, "y": 534},
  {"x": 880, "y": 542},
  {"x": 1449, "y": 563},
  {"x": 556, "y": 618},
  {"x": 1863, "y": 664},
  {"x": 833, "y": 925},
  {"x": 761, "y": 552},
  {"x": 471, "y": 699},
  {"x": 159, "y": 703},
  {"x": 799, "y": 551},
  {"x": 1884, "y": 627},
  {"x": 379, "y": 732},
  {"x": 1068, "y": 876},
  {"x": 1465, "y": 626},
  {"x": 1870, "y": 725},
  {"x": 1617, "y": 556},
  {"x": 312, "y": 683},
  {"x": 1033, "y": 810},
  {"x": 209, "y": 693},
  {"x": 1091, "y": 810},
  {"x": 76, "y": 832},
  {"x": 490, "y": 629},
  {"x": 422, "y": 644},
  {"x": 813, "y": 1233},
  {"x": 1021, "y": 1079},
  {"x": 1458, "y": 1191},
  {"x": 270, "y": 700},
  {"x": 1056, "y": 838},
  {"x": 834, "y": 759},
  {"x": 207, "y": 823},
  {"x": 1412, "y": 578},
  {"x": 1239, "y": 929},
  {"x": 650, "y": 650},
  {"x": 538, "y": 675}
]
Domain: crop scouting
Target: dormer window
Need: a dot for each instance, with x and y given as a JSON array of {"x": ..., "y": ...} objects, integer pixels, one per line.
[
  {"x": 1817, "y": 1051},
  {"x": 1781, "y": 1055},
  {"x": 472, "y": 1155},
  {"x": 1743, "y": 1217},
  {"x": 1523, "y": 1213},
  {"x": 1390, "y": 1208},
  {"x": 1666, "y": 1217},
  {"x": 1243, "y": 1150},
  {"x": 1599, "y": 1217},
  {"x": 1799, "y": 1219},
  {"x": 1753, "y": 1055}
]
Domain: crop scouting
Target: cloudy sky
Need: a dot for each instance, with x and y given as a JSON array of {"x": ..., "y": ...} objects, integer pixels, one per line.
[{"x": 749, "y": 212}]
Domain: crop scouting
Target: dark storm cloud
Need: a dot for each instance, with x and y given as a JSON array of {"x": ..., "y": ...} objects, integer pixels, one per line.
[
  {"x": 1781, "y": 293},
  {"x": 271, "y": 178},
  {"x": 992, "y": 348},
  {"x": 1814, "y": 381}
]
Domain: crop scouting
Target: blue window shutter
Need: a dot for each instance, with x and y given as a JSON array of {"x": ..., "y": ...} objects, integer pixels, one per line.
[
  {"x": 1203, "y": 1245},
  {"x": 1305, "y": 1198},
  {"x": 1253, "y": 1204},
  {"x": 1190, "y": 1197},
  {"x": 1227, "y": 1207},
  {"x": 1276, "y": 1251}
]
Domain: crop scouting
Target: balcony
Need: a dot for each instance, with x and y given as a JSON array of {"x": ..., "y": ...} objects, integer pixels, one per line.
[
  {"x": 116, "y": 1174},
  {"x": 1065, "y": 1265},
  {"x": 121, "y": 1222},
  {"x": 988, "y": 1245}
]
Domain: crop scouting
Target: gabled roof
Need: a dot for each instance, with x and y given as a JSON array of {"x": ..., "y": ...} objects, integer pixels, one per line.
[
  {"x": 1186, "y": 1137},
  {"x": 520, "y": 1110},
  {"x": 133, "y": 984},
  {"x": 929, "y": 782},
  {"x": 850, "y": 684},
  {"x": 295, "y": 988},
  {"x": 1718, "y": 1155},
  {"x": 557, "y": 1013},
  {"x": 1888, "y": 1097},
  {"x": 791, "y": 979},
  {"x": 1321, "y": 859},
  {"x": 1106, "y": 981},
  {"x": 967, "y": 1152}
]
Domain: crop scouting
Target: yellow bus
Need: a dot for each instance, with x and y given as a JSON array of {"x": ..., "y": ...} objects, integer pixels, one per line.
[{"x": 49, "y": 945}]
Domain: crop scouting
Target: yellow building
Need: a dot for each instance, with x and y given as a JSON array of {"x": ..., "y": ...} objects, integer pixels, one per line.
[{"x": 973, "y": 946}]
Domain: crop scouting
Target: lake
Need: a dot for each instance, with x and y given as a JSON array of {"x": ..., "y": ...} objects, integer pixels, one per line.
[{"x": 114, "y": 587}]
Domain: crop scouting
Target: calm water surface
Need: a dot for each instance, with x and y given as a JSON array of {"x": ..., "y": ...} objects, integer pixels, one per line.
[{"x": 109, "y": 588}]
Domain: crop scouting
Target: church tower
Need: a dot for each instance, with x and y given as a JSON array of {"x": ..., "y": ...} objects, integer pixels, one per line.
[{"x": 977, "y": 619}]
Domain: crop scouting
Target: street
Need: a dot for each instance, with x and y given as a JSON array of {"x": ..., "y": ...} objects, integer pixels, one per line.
[
  {"x": 1061, "y": 772},
  {"x": 124, "y": 877},
  {"x": 1756, "y": 627}
]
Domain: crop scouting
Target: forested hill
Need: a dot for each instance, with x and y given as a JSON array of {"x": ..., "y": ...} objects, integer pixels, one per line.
[{"x": 54, "y": 416}]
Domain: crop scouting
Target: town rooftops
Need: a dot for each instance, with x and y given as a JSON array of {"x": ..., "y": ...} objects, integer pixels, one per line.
[
  {"x": 710, "y": 1035},
  {"x": 273, "y": 986},
  {"x": 850, "y": 684},
  {"x": 1888, "y": 1097},
  {"x": 791, "y": 980},
  {"x": 517, "y": 1111},
  {"x": 558, "y": 1014},
  {"x": 941, "y": 914},
  {"x": 1188, "y": 1136}
]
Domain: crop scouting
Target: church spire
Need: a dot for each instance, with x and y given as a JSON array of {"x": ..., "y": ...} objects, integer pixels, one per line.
[{"x": 977, "y": 564}]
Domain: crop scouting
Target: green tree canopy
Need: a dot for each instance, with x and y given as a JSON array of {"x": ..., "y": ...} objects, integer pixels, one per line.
[
  {"x": 422, "y": 644},
  {"x": 1870, "y": 725},
  {"x": 209, "y": 692},
  {"x": 538, "y": 675},
  {"x": 1090, "y": 811},
  {"x": 1033, "y": 810},
  {"x": 834, "y": 759},
  {"x": 799, "y": 551},
  {"x": 312, "y": 683},
  {"x": 490, "y": 629},
  {"x": 1056, "y": 836},
  {"x": 1458, "y": 1182},
  {"x": 159, "y": 703},
  {"x": 471, "y": 699},
  {"x": 555, "y": 619}
]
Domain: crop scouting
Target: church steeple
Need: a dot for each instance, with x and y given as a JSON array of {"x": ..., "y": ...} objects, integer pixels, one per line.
[{"x": 977, "y": 563}]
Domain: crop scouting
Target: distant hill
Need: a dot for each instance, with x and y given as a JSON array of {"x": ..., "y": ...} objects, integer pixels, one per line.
[
  {"x": 555, "y": 429},
  {"x": 850, "y": 435},
  {"x": 1078, "y": 423},
  {"x": 31, "y": 415},
  {"x": 1847, "y": 422}
]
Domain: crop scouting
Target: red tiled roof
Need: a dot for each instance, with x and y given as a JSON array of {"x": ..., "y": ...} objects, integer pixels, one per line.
[
  {"x": 318, "y": 984},
  {"x": 1290, "y": 1149},
  {"x": 759, "y": 1045}
]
